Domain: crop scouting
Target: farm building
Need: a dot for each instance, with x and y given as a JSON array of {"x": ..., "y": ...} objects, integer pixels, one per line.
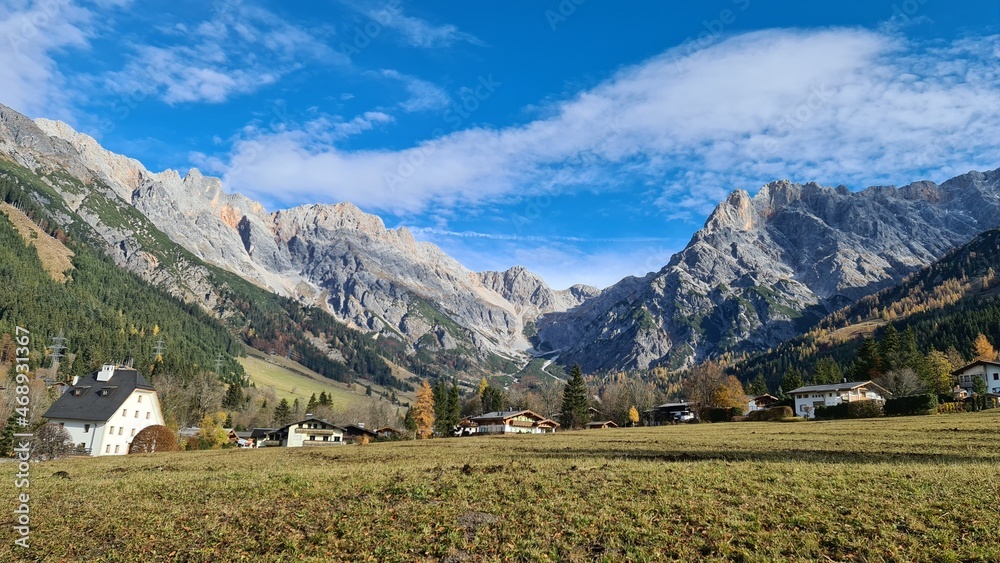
[
  {"x": 811, "y": 396},
  {"x": 105, "y": 410},
  {"x": 512, "y": 422},
  {"x": 606, "y": 424}
]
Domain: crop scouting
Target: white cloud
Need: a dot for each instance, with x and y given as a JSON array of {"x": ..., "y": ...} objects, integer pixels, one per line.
[
  {"x": 832, "y": 105},
  {"x": 417, "y": 32},
  {"x": 31, "y": 34},
  {"x": 424, "y": 95},
  {"x": 241, "y": 49}
]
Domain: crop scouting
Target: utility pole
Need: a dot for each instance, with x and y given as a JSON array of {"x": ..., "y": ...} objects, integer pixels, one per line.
[
  {"x": 58, "y": 345},
  {"x": 159, "y": 349},
  {"x": 218, "y": 364}
]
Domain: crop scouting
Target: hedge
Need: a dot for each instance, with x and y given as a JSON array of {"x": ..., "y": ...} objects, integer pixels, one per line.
[
  {"x": 911, "y": 405},
  {"x": 717, "y": 414},
  {"x": 854, "y": 409},
  {"x": 771, "y": 414}
]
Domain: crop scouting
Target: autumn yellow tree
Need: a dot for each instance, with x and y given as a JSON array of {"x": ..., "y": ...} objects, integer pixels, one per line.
[
  {"x": 983, "y": 349},
  {"x": 423, "y": 410},
  {"x": 729, "y": 394},
  {"x": 212, "y": 434},
  {"x": 633, "y": 415},
  {"x": 939, "y": 369}
]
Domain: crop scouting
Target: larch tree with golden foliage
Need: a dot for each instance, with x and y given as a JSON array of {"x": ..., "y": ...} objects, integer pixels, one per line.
[
  {"x": 633, "y": 415},
  {"x": 983, "y": 349},
  {"x": 423, "y": 410}
]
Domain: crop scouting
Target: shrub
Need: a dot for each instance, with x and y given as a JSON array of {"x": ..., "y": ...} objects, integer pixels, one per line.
[
  {"x": 156, "y": 438},
  {"x": 51, "y": 442},
  {"x": 771, "y": 414},
  {"x": 832, "y": 412},
  {"x": 717, "y": 414},
  {"x": 912, "y": 405},
  {"x": 950, "y": 407},
  {"x": 864, "y": 409}
]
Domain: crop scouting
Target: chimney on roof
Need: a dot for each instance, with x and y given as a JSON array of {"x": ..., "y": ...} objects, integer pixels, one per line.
[
  {"x": 361, "y": 425},
  {"x": 309, "y": 415},
  {"x": 107, "y": 370},
  {"x": 76, "y": 379}
]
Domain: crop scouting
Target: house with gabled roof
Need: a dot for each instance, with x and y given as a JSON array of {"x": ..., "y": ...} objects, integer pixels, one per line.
[
  {"x": 105, "y": 410},
  {"x": 512, "y": 422},
  {"x": 809, "y": 397},
  {"x": 309, "y": 432},
  {"x": 982, "y": 369}
]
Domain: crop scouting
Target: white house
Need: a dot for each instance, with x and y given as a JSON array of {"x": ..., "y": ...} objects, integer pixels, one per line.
[
  {"x": 308, "y": 432},
  {"x": 512, "y": 422},
  {"x": 105, "y": 410},
  {"x": 811, "y": 396},
  {"x": 983, "y": 369}
]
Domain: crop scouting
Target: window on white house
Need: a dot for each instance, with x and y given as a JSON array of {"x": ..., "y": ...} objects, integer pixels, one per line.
[
  {"x": 120, "y": 428},
  {"x": 996, "y": 377},
  {"x": 112, "y": 429},
  {"x": 133, "y": 432},
  {"x": 147, "y": 415},
  {"x": 116, "y": 448},
  {"x": 139, "y": 398},
  {"x": 124, "y": 412},
  {"x": 107, "y": 449},
  {"x": 86, "y": 428},
  {"x": 137, "y": 414}
]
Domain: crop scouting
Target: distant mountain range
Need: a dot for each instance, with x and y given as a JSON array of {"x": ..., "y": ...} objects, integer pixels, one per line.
[{"x": 761, "y": 270}]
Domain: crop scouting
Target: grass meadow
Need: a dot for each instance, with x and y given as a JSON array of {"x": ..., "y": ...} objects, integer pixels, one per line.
[{"x": 899, "y": 489}]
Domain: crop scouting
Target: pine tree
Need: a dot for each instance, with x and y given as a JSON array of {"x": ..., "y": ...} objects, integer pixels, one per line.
[
  {"x": 889, "y": 350},
  {"x": 7, "y": 436},
  {"x": 575, "y": 406},
  {"x": 311, "y": 405},
  {"x": 234, "y": 397},
  {"x": 324, "y": 399},
  {"x": 758, "y": 386},
  {"x": 282, "y": 413},
  {"x": 791, "y": 380},
  {"x": 867, "y": 364}
]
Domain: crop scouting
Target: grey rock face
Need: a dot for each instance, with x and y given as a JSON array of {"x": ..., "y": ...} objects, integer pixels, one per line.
[
  {"x": 334, "y": 256},
  {"x": 764, "y": 264}
]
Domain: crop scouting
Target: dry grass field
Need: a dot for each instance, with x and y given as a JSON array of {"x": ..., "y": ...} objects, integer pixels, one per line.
[{"x": 900, "y": 489}]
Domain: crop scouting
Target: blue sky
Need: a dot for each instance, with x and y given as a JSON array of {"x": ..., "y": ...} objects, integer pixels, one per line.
[{"x": 585, "y": 140}]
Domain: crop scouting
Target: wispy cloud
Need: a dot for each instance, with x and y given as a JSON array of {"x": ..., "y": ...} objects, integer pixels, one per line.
[
  {"x": 431, "y": 231},
  {"x": 31, "y": 34},
  {"x": 832, "y": 105},
  {"x": 424, "y": 95},
  {"x": 417, "y": 32},
  {"x": 241, "y": 49}
]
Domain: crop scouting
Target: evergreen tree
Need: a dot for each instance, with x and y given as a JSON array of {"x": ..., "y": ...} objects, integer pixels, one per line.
[
  {"x": 234, "y": 397},
  {"x": 827, "y": 372},
  {"x": 454, "y": 405},
  {"x": 867, "y": 364},
  {"x": 282, "y": 413},
  {"x": 493, "y": 399},
  {"x": 889, "y": 350},
  {"x": 576, "y": 404},
  {"x": 791, "y": 380},
  {"x": 324, "y": 399},
  {"x": 7, "y": 436},
  {"x": 311, "y": 405},
  {"x": 758, "y": 386}
]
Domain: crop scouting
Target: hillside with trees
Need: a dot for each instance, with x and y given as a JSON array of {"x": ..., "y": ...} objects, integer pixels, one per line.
[{"x": 929, "y": 323}]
